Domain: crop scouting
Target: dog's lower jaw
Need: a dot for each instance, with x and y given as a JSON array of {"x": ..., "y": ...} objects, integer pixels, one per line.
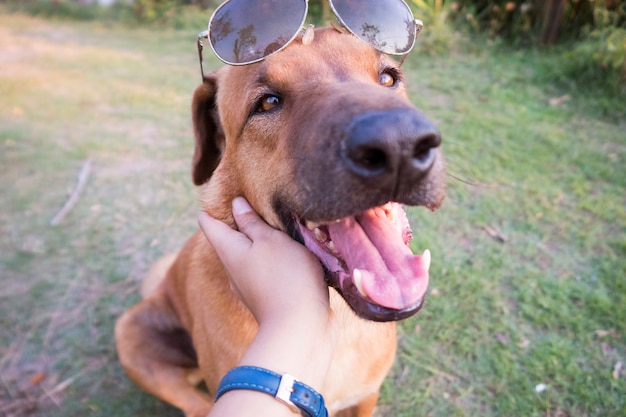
[
  {"x": 362, "y": 306},
  {"x": 374, "y": 312},
  {"x": 371, "y": 266}
]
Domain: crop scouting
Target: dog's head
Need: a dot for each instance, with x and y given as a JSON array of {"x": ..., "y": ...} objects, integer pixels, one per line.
[{"x": 325, "y": 145}]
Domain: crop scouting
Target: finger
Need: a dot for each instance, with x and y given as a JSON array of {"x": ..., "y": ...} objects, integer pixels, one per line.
[
  {"x": 248, "y": 221},
  {"x": 227, "y": 242}
]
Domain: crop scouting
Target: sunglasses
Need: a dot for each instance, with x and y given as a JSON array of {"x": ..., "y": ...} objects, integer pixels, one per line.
[{"x": 243, "y": 32}]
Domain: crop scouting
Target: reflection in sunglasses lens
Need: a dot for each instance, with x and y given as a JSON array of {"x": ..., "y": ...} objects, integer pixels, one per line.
[
  {"x": 388, "y": 26},
  {"x": 245, "y": 31}
]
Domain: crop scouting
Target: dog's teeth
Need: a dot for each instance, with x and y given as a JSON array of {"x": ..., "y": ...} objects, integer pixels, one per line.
[
  {"x": 426, "y": 258},
  {"x": 320, "y": 235},
  {"x": 312, "y": 225},
  {"x": 389, "y": 211},
  {"x": 331, "y": 246},
  {"x": 357, "y": 278}
]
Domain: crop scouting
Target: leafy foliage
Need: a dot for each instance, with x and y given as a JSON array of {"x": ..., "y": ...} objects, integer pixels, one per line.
[
  {"x": 589, "y": 35},
  {"x": 438, "y": 36},
  {"x": 525, "y": 21},
  {"x": 598, "y": 59}
]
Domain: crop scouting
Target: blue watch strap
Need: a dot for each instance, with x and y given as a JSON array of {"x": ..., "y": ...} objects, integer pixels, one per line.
[{"x": 296, "y": 395}]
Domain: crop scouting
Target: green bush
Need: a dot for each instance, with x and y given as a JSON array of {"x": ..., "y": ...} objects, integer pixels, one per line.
[
  {"x": 610, "y": 39},
  {"x": 71, "y": 9},
  {"x": 597, "y": 61},
  {"x": 509, "y": 19},
  {"x": 177, "y": 14},
  {"x": 536, "y": 21},
  {"x": 153, "y": 10},
  {"x": 591, "y": 34},
  {"x": 438, "y": 35},
  {"x": 612, "y": 52}
]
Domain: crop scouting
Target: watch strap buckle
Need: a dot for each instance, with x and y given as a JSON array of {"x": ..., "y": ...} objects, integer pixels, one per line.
[{"x": 285, "y": 389}]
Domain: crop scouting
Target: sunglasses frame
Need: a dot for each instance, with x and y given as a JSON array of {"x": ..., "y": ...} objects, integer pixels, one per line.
[
  {"x": 204, "y": 35},
  {"x": 419, "y": 25}
]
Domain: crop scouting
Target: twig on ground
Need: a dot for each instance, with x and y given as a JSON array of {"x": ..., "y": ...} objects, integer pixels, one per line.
[
  {"x": 496, "y": 235},
  {"x": 433, "y": 370},
  {"x": 616, "y": 370},
  {"x": 438, "y": 372},
  {"x": 62, "y": 386},
  {"x": 83, "y": 176}
]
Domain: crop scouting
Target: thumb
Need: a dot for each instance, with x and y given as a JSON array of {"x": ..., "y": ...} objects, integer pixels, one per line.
[
  {"x": 248, "y": 221},
  {"x": 227, "y": 242}
]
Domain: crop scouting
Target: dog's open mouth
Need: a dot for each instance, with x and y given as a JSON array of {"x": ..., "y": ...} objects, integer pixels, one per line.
[{"x": 368, "y": 260}]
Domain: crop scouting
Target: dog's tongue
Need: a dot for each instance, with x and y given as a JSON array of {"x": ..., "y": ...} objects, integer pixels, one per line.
[{"x": 389, "y": 274}]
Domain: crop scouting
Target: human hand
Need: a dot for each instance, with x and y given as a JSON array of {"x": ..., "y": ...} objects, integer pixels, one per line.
[
  {"x": 276, "y": 277},
  {"x": 283, "y": 286}
]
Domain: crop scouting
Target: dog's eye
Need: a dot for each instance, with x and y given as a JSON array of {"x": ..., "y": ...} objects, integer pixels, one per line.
[
  {"x": 268, "y": 102},
  {"x": 388, "y": 78}
]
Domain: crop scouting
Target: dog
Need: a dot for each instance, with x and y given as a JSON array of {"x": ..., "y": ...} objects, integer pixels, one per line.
[{"x": 323, "y": 142}]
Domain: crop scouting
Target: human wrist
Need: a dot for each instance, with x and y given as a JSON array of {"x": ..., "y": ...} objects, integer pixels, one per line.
[
  {"x": 298, "y": 397},
  {"x": 301, "y": 349}
]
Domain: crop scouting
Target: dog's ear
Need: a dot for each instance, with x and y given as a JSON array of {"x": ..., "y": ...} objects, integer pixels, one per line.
[{"x": 207, "y": 130}]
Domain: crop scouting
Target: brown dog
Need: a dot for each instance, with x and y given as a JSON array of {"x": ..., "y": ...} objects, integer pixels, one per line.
[{"x": 322, "y": 141}]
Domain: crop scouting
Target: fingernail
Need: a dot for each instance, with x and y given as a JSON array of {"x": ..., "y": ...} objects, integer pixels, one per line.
[
  {"x": 241, "y": 206},
  {"x": 202, "y": 217}
]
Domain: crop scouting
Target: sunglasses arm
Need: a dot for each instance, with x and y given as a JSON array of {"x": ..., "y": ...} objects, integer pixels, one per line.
[
  {"x": 201, "y": 36},
  {"x": 419, "y": 25}
]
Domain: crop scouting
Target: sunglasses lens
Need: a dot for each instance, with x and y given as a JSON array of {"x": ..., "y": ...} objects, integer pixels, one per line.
[
  {"x": 245, "y": 31},
  {"x": 388, "y": 26}
]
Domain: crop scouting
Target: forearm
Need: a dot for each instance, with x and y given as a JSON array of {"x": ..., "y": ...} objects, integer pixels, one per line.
[
  {"x": 244, "y": 403},
  {"x": 294, "y": 347},
  {"x": 302, "y": 350},
  {"x": 297, "y": 347}
]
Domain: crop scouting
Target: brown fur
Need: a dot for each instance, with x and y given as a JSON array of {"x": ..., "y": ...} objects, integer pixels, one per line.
[{"x": 190, "y": 325}]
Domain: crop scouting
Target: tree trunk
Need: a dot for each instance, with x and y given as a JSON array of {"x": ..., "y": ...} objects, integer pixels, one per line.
[{"x": 552, "y": 21}]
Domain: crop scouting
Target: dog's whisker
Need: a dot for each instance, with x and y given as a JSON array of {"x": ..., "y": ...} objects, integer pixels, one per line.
[{"x": 464, "y": 180}]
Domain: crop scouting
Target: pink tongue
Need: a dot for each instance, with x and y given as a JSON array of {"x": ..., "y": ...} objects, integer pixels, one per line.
[{"x": 391, "y": 275}]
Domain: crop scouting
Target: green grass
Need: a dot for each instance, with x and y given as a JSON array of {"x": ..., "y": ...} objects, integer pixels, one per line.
[{"x": 544, "y": 306}]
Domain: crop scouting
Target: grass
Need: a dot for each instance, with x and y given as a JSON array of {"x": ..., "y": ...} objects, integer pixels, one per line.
[{"x": 528, "y": 277}]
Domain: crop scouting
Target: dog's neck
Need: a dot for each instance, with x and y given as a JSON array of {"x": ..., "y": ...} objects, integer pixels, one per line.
[{"x": 216, "y": 199}]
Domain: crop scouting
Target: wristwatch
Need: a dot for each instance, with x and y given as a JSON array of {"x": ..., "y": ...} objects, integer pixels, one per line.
[{"x": 285, "y": 388}]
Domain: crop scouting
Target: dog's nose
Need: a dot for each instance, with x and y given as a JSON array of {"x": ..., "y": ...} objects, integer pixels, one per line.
[{"x": 390, "y": 146}]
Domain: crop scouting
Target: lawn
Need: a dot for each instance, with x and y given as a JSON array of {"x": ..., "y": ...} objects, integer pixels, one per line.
[{"x": 526, "y": 314}]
